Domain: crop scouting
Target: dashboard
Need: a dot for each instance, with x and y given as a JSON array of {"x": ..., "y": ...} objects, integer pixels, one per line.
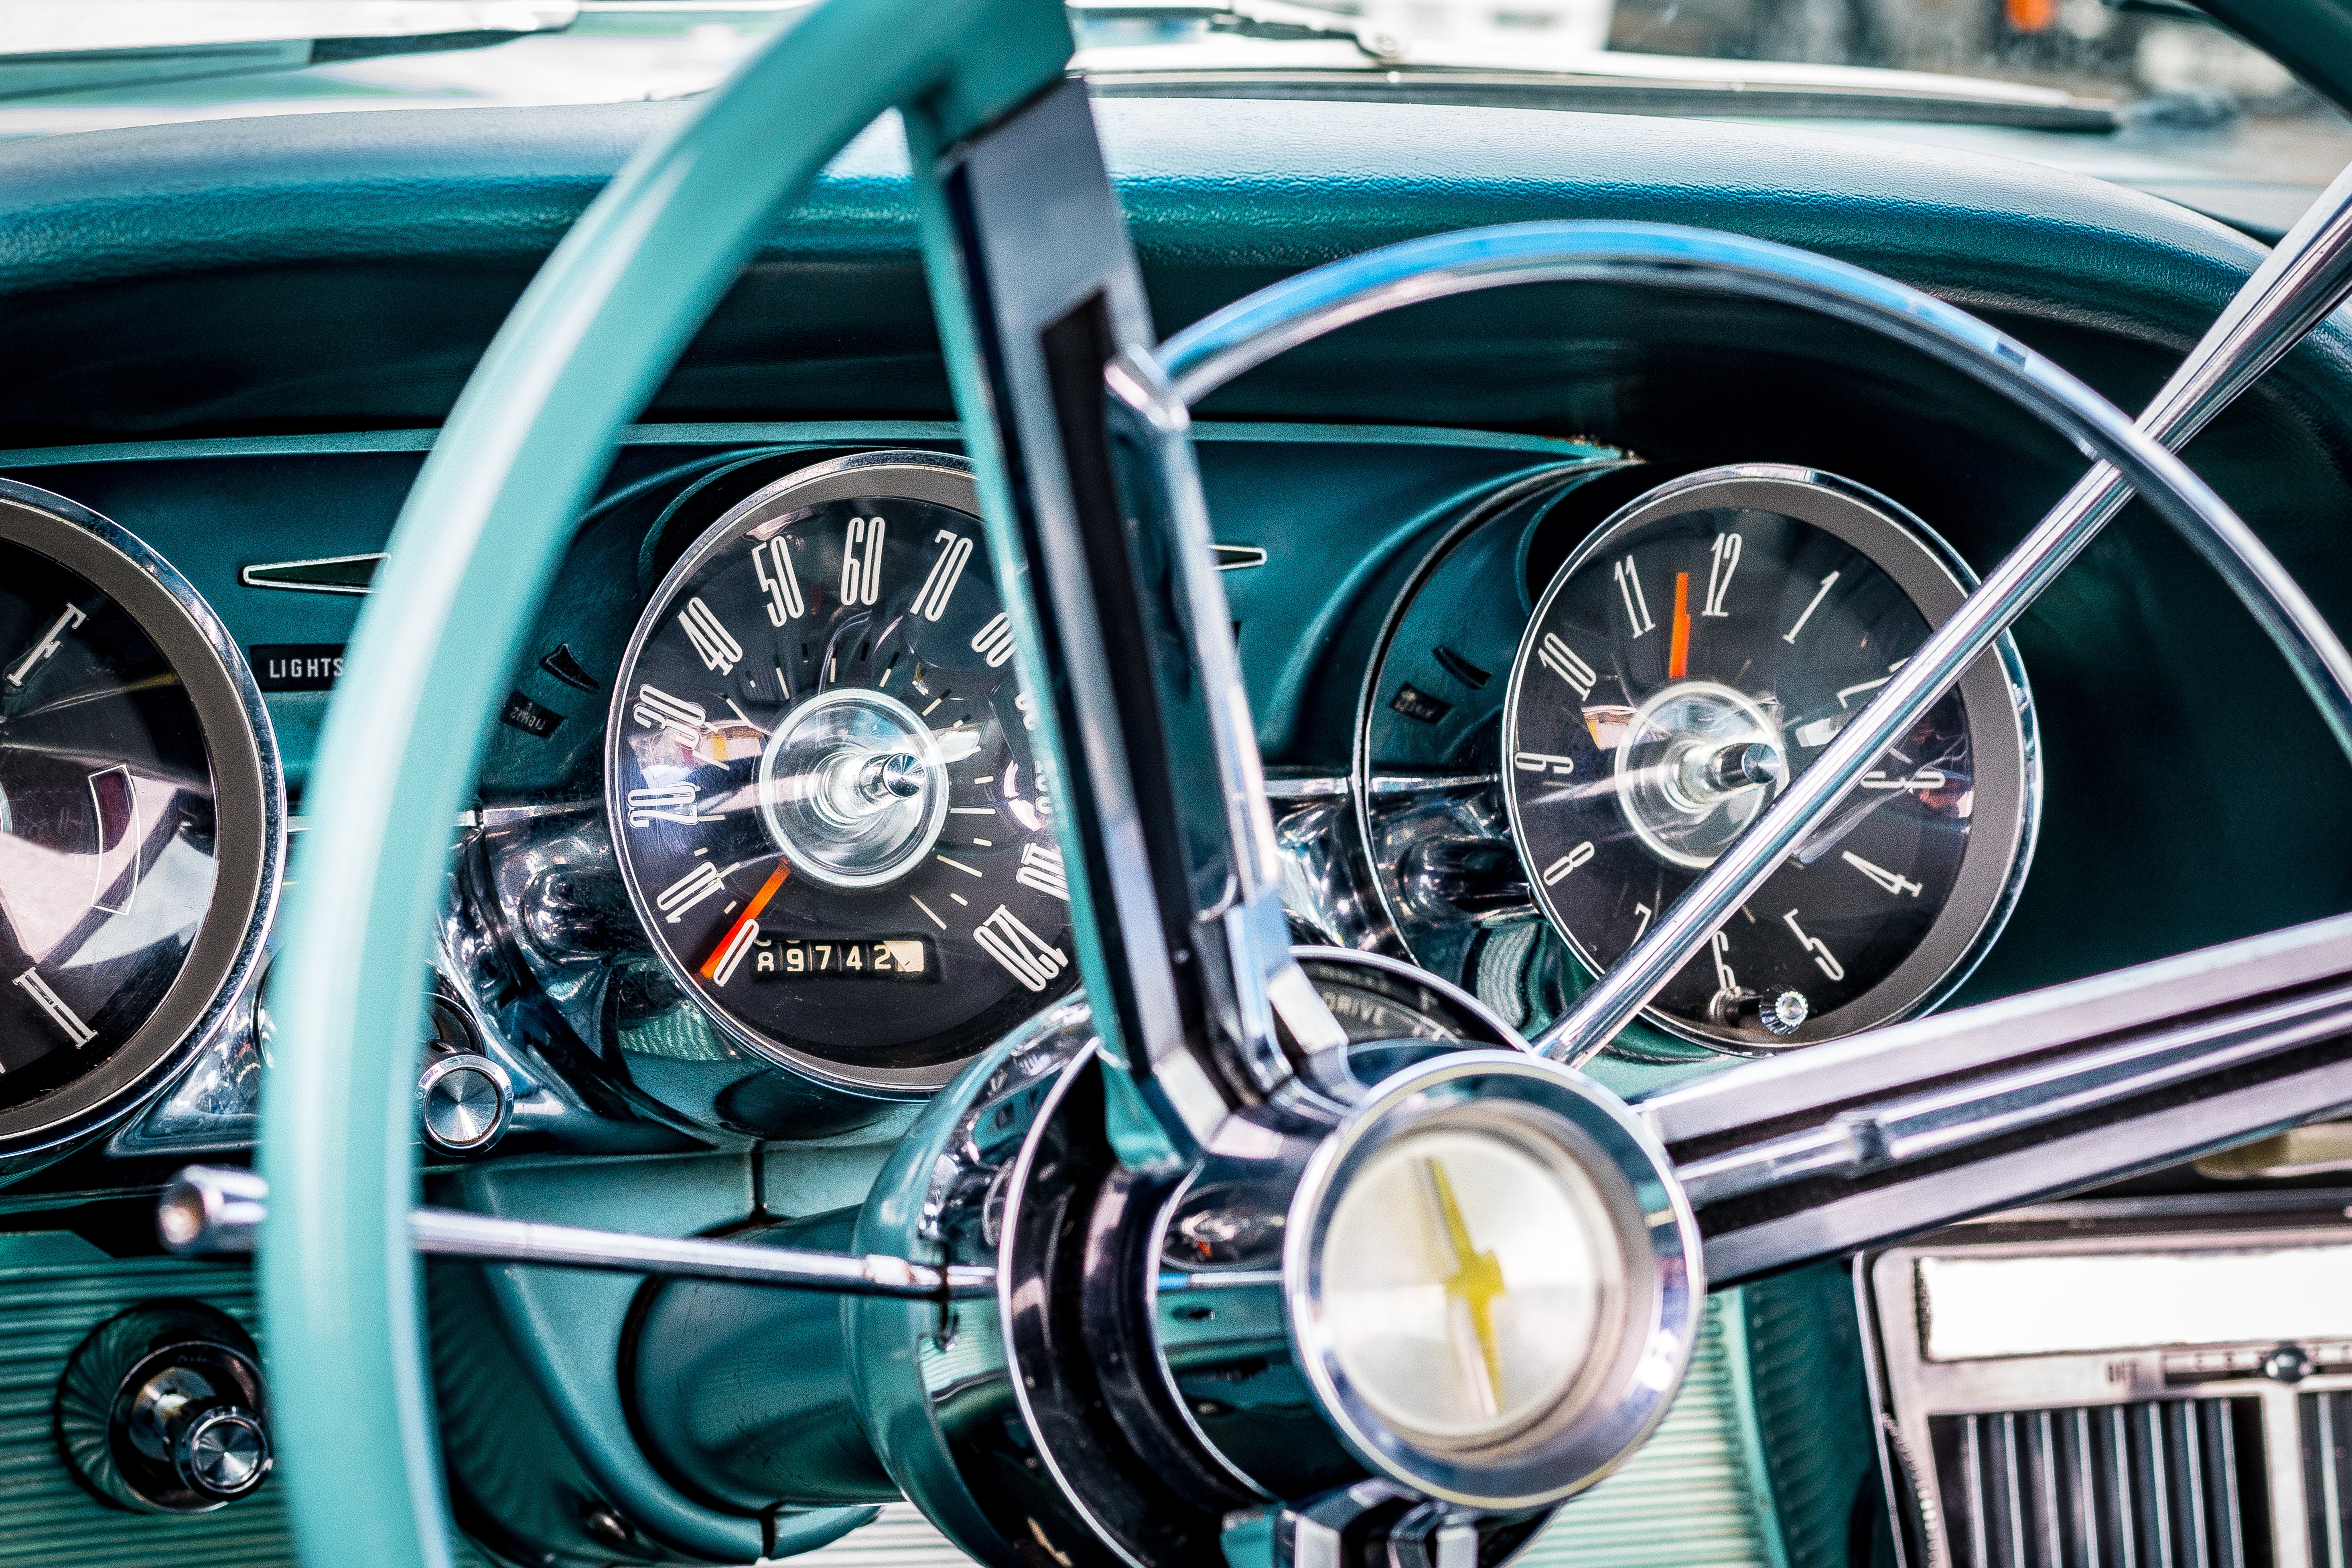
[{"x": 1538, "y": 598}]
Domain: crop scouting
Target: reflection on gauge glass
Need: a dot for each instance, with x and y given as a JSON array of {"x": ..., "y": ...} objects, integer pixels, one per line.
[
  {"x": 1701, "y": 648},
  {"x": 820, "y": 780},
  {"x": 136, "y": 827}
]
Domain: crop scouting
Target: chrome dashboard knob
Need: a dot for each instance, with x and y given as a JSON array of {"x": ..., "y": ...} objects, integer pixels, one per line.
[
  {"x": 163, "y": 1409},
  {"x": 464, "y": 1102},
  {"x": 223, "y": 1451}
]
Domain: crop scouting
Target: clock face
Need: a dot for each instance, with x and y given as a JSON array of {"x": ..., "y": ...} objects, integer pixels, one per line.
[
  {"x": 1692, "y": 656},
  {"x": 820, "y": 780}
]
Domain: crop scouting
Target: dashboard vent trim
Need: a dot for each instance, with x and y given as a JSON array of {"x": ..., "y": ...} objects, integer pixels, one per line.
[
  {"x": 2232, "y": 1451},
  {"x": 2159, "y": 1483}
]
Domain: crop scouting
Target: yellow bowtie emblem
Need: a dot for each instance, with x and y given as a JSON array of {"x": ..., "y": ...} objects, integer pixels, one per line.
[{"x": 1476, "y": 1280}]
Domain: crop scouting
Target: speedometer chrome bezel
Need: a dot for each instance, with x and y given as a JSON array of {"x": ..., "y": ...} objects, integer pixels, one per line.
[
  {"x": 224, "y": 961},
  {"x": 937, "y": 478},
  {"x": 1994, "y": 694}
]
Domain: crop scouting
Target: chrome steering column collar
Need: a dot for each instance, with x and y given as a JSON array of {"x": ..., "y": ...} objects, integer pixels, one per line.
[{"x": 1480, "y": 1290}]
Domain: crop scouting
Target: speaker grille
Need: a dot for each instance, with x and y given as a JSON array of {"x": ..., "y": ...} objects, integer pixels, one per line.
[
  {"x": 2326, "y": 1428},
  {"x": 2162, "y": 1483}
]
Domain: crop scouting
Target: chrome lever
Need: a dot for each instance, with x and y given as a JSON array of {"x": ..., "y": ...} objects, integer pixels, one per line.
[{"x": 209, "y": 1209}]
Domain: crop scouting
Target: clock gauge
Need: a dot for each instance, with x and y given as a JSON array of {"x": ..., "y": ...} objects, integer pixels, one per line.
[
  {"x": 142, "y": 823},
  {"x": 1699, "y": 651}
]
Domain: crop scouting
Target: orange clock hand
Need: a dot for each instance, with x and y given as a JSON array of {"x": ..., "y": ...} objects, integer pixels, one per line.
[{"x": 1678, "y": 655}]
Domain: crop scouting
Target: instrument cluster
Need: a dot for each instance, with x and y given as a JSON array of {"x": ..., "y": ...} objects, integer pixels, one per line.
[
  {"x": 794, "y": 858},
  {"x": 1548, "y": 758}
]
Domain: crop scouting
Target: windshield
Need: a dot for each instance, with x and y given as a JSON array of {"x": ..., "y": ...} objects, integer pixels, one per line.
[{"x": 2165, "y": 103}]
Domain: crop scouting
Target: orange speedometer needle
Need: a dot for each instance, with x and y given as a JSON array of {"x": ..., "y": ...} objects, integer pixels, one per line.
[
  {"x": 748, "y": 917},
  {"x": 1678, "y": 652}
]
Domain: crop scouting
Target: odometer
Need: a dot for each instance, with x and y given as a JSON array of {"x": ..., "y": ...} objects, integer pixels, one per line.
[
  {"x": 820, "y": 780},
  {"x": 1699, "y": 649}
]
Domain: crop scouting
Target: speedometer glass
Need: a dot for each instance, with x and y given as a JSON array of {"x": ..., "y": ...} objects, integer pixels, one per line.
[
  {"x": 821, "y": 779},
  {"x": 1699, "y": 649},
  {"x": 107, "y": 862}
]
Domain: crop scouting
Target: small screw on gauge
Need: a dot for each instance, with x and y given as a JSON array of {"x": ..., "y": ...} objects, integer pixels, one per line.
[{"x": 1782, "y": 1013}]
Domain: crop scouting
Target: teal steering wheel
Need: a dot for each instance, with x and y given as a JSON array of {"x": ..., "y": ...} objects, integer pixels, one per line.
[
  {"x": 470, "y": 558},
  {"x": 475, "y": 546}
]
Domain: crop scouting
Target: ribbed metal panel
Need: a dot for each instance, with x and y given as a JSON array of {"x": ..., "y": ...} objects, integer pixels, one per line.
[
  {"x": 2326, "y": 1425},
  {"x": 1685, "y": 1500},
  {"x": 46, "y": 1518},
  {"x": 55, "y": 1288},
  {"x": 1682, "y": 1501},
  {"x": 2163, "y": 1483},
  {"x": 900, "y": 1537}
]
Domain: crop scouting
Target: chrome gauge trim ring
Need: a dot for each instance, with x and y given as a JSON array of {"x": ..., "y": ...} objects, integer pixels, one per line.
[
  {"x": 1643, "y": 1335},
  {"x": 930, "y": 477},
  {"x": 1994, "y": 694},
  {"x": 217, "y": 975},
  {"x": 1519, "y": 506},
  {"x": 1471, "y": 1019}
]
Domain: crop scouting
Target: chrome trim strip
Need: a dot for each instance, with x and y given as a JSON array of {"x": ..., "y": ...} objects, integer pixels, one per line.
[
  {"x": 1922, "y": 1125},
  {"x": 208, "y": 1211},
  {"x": 2063, "y": 1164},
  {"x": 452, "y": 1233},
  {"x": 315, "y": 575},
  {"x": 2067, "y": 1064},
  {"x": 1988, "y": 1035}
]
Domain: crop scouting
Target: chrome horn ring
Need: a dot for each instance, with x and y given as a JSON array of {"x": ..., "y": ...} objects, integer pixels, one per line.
[{"x": 2308, "y": 273}]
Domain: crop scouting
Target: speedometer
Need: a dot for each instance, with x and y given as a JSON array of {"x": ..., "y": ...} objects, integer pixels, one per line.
[
  {"x": 819, "y": 775},
  {"x": 1699, "y": 649}
]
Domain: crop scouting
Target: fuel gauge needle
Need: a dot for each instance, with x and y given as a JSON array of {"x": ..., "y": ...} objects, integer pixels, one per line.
[{"x": 719, "y": 967}]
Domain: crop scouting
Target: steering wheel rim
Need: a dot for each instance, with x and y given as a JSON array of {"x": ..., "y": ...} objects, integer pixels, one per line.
[
  {"x": 476, "y": 545},
  {"x": 479, "y": 536}
]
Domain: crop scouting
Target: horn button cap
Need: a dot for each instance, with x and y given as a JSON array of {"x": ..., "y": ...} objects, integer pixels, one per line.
[{"x": 1492, "y": 1280}]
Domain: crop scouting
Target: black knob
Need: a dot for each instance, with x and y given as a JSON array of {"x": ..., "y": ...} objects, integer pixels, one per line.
[{"x": 163, "y": 1409}]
